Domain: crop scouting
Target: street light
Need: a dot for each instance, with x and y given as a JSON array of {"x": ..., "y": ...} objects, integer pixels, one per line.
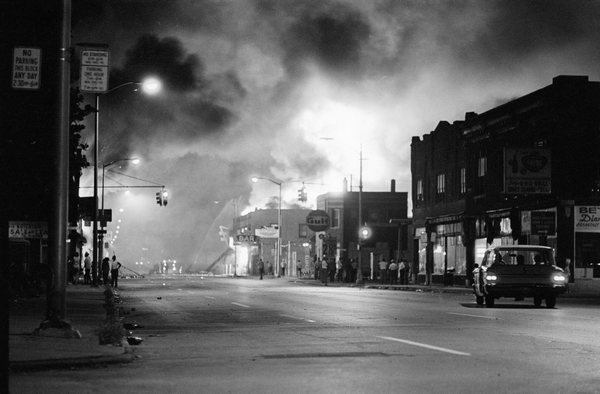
[
  {"x": 359, "y": 276},
  {"x": 134, "y": 160},
  {"x": 150, "y": 86},
  {"x": 362, "y": 231},
  {"x": 278, "y": 250}
]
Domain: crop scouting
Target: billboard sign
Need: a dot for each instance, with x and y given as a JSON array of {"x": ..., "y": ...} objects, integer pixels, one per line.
[{"x": 527, "y": 171}]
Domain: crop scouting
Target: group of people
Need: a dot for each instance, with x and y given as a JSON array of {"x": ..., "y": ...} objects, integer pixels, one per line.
[
  {"x": 327, "y": 269},
  {"x": 393, "y": 272},
  {"x": 109, "y": 270}
]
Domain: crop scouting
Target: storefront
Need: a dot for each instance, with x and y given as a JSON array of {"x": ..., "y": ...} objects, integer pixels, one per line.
[{"x": 587, "y": 244}]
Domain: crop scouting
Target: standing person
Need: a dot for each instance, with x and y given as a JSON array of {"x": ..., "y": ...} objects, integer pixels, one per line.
[
  {"x": 317, "y": 267},
  {"x": 354, "y": 265},
  {"x": 76, "y": 267},
  {"x": 261, "y": 268},
  {"x": 331, "y": 270},
  {"x": 402, "y": 268},
  {"x": 269, "y": 268},
  {"x": 382, "y": 270},
  {"x": 393, "y": 271},
  {"x": 299, "y": 268},
  {"x": 87, "y": 267},
  {"x": 282, "y": 266},
  {"x": 114, "y": 271},
  {"x": 324, "y": 270},
  {"x": 340, "y": 270},
  {"x": 105, "y": 269}
]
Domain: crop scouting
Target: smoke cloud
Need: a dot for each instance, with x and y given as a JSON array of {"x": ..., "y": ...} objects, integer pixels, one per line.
[{"x": 295, "y": 91}]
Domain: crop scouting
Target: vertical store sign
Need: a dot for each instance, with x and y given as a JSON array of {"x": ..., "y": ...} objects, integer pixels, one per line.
[
  {"x": 27, "y": 68},
  {"x": 94, "y": 70}
]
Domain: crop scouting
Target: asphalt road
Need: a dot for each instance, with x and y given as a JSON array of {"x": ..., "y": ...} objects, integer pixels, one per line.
[{"x": 216, "y": 335}]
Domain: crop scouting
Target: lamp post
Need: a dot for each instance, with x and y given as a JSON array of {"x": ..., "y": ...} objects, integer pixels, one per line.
[
  {"x": 103, "y": 219},
  {"x": 149, "y": 86},
  {"x": 359, "y": 276},
  {"x": 361, "y": 232},
  {"x": 278, "y": 250}
]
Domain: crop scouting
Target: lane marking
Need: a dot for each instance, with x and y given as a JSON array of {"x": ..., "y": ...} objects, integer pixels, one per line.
[
  {"x": 209, "y": 297},
  {"x": 242, "y": 305},
  {"x": 466, "y": 314},
  {"x": 299, "y": 318},
  {"x": 426, "y": 346}
]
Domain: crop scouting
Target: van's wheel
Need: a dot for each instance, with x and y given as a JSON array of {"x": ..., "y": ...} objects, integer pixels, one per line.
[
  {"x": 537, "y": 301},
  {"x": 479, "y": 299},
  {"x": 489, "y": 301},
  {"x": 551, "y": 301}
]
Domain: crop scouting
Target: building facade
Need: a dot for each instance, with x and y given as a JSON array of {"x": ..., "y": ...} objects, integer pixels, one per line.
[
  {"x": 384, "y": 213},
  {"x": 296, "y": 245},
  {"x": 525, "y": 172}
]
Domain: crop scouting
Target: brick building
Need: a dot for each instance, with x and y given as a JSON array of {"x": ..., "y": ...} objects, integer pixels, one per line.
[{"x": 526, "y": 172}]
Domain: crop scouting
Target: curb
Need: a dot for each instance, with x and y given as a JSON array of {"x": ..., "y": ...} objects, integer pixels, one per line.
[{"x": 74, "y": 362}]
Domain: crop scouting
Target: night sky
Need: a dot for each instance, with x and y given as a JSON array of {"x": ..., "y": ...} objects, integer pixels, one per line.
[{"x": 293, "y": 89}]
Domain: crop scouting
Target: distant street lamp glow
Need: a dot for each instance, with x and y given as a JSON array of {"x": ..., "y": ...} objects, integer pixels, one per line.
[{"x": 151, "y": 86}]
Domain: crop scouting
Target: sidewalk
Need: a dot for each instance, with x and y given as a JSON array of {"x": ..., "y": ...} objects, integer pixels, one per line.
[
  {"x": 50, "y": 348},
  {"x": 433, "y": 288}
]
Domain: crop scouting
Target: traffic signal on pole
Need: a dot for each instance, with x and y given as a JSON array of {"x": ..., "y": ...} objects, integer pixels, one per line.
[
  {"x": 302, "y": 195},
  {"x": 165, "y": 197},
  {"x": 159, "y": 200},
  {"x": 364, "y": 232}
]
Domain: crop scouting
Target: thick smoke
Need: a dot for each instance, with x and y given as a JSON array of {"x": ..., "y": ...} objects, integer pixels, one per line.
[{"x": 251, "y": 87}]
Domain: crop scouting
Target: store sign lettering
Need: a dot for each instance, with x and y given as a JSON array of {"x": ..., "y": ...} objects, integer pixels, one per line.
[{"x": 587, "y": 219}]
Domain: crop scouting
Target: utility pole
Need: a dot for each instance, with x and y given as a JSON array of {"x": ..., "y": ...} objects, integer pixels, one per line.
[
  {"x": 359, "y": 276},
  {"x": 56, "y": 305}
]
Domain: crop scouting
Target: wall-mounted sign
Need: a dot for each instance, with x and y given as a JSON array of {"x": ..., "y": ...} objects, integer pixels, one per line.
[
  {"x": 267, "y": 232},
  {"x": 587, "y": 219},
  {"x": 527, "y": 171},
  {"x": 246, "y": 238},
  {"x": 27, "y": 68},
  {"x": 32, "y": 230}
]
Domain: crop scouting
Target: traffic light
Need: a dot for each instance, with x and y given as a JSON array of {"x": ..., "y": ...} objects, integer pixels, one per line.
[
  {"x": 364, "y": 232},
  {"x": 159, "y": 200},
  {"x": 302, "y": 195},
  {"x": 164, "y": 196}
]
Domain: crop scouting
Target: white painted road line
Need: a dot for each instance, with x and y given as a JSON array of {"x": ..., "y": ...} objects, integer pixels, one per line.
[
  {"x": 242, "y": 305},
  {"x": 480, "y": 316},
  {"x": 209, "y": 297},
  {"x": 426, "y": 346},
  {"x": 298, "y": 318}
]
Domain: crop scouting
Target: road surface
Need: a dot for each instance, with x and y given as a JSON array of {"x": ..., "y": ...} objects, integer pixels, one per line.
[{"x": 215, "y": 335}]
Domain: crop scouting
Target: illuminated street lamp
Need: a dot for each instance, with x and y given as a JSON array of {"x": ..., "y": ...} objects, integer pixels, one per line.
[
  {"x": 359, "y": 276},
  {"x": 149, "y": 86},
  {"x": 363, "y": 231},
  {"x": 278, "y": 250},
  {"x": 134, "y": 160}
]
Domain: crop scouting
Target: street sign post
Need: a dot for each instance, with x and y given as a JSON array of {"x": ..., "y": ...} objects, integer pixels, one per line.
[{"x": 94, "y": 70}]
